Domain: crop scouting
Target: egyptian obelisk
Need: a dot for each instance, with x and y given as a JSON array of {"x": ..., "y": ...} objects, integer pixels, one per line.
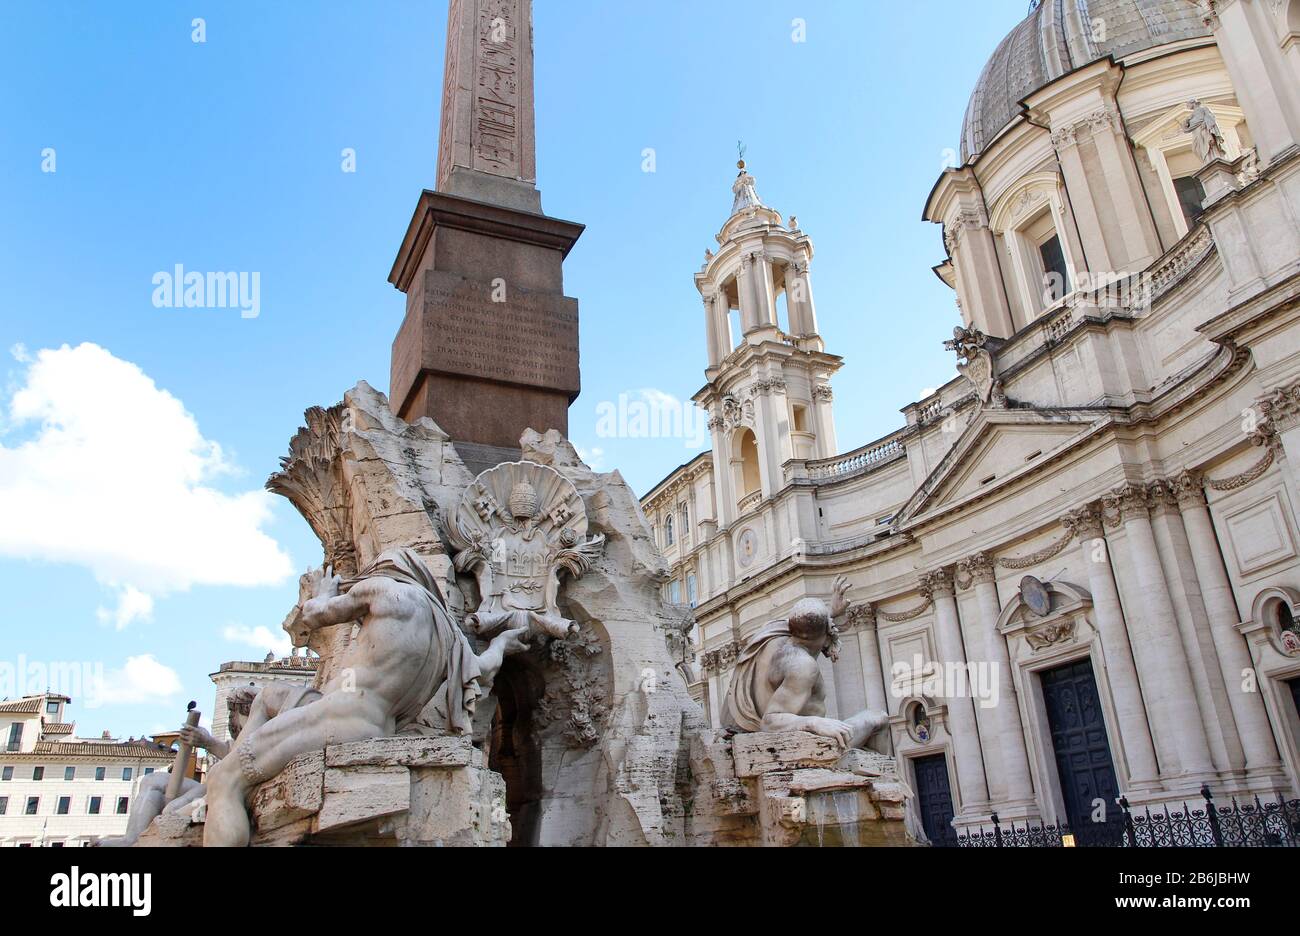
[{"x": 489, "y": 345}]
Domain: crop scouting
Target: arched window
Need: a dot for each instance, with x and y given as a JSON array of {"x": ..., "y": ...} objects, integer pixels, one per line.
[
  {"x": 1029, "y": 222},
  {"x": 744, "y": 459},
  {"x": 668, "y": 530},
  {"x": 684, "y": 516}
]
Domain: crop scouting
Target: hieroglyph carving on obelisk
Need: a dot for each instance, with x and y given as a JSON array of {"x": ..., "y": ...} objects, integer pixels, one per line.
[{"x": 487, "y": 99}]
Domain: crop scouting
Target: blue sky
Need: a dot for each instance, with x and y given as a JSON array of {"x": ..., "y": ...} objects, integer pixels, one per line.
[{"x": 130, "y": 461}]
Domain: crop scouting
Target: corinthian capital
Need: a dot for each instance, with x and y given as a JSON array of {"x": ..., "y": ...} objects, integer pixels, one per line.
[
  {"x": 861, "y": 615},
  {"x": 1189, "y": 489},
  {"x": 978, "y": 568},
  {"x": 935, "y": 584},
  {"x": 1084, "y": 522},
  {"x": 1127, "y": 500}
]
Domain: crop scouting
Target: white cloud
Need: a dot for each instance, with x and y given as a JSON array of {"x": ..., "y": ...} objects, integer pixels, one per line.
[
  {"x": 926, "y": 392},
  {"x": 141, "y": 679},
  {"x": 261, "y": 638},
  {"x": 114, "y": 476},
  {"x": 132, "y": 604}
]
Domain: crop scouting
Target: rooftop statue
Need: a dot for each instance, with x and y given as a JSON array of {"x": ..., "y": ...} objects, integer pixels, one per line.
[{"x": 1207, "y": 138}]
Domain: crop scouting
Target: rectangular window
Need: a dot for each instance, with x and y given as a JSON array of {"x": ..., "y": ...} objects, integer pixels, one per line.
[
  {"x": 16, "y": 736},
  {"x": 1191, "y": 194},
  {"x": 99, "y": 773},
  {"x": 675, "y": 591},
  {"x": 7, "y": 774},
  {"x": 94, "y": 804},
  {"x": 33, "y": 804},
  {"x": 69, "y": 773},
  {"x": 147, "y": 771},
  {"x": 123, "y": 805},
  {"x": 1056, "y": 275},
  {"x": 4, "y": 805},
  {"x": 65, "y": 804},
  {"x": 38, "y": 773},
  {"x": 126, "y": 773},
  {"x": 51, "y": 708}
]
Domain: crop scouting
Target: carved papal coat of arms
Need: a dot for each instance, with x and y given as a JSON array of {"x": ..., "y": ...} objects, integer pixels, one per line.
[{"x": 516, "y": 528}]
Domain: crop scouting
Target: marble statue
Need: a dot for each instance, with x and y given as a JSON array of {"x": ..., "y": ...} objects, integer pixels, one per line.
[
  {"x": 777, "y": 683},
  {"x": 1207, "y": 138},
  {"x": 408, "y": 666},
  {"x": 516, "y": 528},
  {"x": 151, "y": 798}
]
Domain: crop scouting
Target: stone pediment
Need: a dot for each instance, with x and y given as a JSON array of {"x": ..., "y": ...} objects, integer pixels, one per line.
[{"x": 995, "y": 448}]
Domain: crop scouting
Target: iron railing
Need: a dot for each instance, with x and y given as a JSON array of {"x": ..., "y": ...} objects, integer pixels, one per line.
[{"x": 1251, "y": 825}]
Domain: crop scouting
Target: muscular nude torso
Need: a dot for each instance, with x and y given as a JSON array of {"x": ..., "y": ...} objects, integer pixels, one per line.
[{"x": 782, "y": 658}]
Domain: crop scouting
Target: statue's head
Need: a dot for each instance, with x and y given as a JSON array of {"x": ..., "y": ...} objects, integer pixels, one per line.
[
  {"x": 523, "y": 501},
  {"x": 810, "y": 619},
  {"x": 238, "y": 706}
]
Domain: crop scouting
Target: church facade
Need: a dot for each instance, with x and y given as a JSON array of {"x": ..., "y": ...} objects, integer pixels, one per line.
[{"x": 1075, "y": 568}]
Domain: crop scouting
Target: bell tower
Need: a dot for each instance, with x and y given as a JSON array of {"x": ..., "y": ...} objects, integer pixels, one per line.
[{"x": 768, "y": 391}]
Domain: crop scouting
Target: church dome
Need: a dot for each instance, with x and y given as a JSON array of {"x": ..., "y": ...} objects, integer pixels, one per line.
[{"x": 1059, "y": 36}]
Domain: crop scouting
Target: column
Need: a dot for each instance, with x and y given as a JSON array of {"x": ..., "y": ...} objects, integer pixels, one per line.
[
  {"x": 711, "y": 334},
  {"x": 749, "y": 304},
  {"x": 1136, "y": 748},
  {"x": 723, "y": 478},
  {"x": 798, "y": 299},
  {"x": 969, "y": 757},
  {"x": 1096, "y": 252},
  {"x": 974, "y": 253},
  {"x": 1193, "y": 624},
  {"x": 863, "y": 617},
  {"x": 1234, "y": 655},
  {"x": 1158, "y": 651},
  {"x": 1141, "y": 244},
  {"x": 873, "y": 678},
  {"x": 1002, "y": 721},
  {"x": 824, "y": 416},
  {"x": 721, "y": 317}
]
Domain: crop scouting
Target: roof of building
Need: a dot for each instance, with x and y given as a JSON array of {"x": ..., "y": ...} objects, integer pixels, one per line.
[
  {"x": 99, "y": 749},
  {"x": 30, "y": 705},
  {"x": 58, "y": 728},
  {"x": 1059, "y": 36}
]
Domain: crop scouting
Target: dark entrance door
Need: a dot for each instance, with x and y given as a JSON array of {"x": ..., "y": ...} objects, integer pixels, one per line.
[
  {"x": 934, "y": 798},
  {"x": 1082, "y": 752}
]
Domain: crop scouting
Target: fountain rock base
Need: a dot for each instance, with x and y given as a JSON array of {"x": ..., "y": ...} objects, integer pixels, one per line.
[
  {"x": 782, "y": 789},
  {"x": 412, "y": 791}
]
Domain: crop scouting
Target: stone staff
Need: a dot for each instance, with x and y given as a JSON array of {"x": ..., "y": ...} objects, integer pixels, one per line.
[{"x": 182, "y": 757}]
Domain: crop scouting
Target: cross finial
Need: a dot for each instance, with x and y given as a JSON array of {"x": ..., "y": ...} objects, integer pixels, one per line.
[{"x": 740, "y": 153}]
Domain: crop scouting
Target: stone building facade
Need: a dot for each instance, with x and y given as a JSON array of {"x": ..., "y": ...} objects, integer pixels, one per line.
[
  {"x": 58, "y": 790},
  {"x": 1075, "y": 567}
]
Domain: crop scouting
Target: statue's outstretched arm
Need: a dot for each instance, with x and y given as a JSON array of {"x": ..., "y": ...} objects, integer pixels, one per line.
[
  {"x": 328, "y": 607},
  {"x": 503, "y": 644}
]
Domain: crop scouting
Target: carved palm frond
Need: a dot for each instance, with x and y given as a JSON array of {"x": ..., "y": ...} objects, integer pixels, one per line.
[
  {"x": 579, "y": 558},
  {"x": 311, "y": 477}
]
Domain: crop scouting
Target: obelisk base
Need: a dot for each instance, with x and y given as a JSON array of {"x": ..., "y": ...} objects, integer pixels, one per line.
[{"x": 489, "y": 344}]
